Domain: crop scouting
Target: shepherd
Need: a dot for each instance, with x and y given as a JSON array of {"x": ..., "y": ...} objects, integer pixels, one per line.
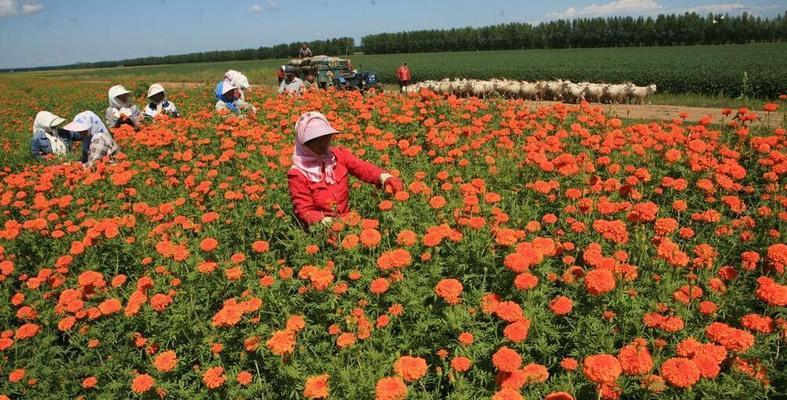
[{"x": 403, "y": 75}]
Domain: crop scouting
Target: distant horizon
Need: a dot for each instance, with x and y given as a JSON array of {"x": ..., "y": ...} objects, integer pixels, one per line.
[{"x": 37, "y": 34}]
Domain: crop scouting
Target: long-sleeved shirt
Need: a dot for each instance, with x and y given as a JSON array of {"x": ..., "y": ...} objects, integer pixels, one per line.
[
  {"x": 166, "y": 107},
  {"x": 240, "y": 104},
  {"x": 113, "y": 121},
  {"x": 313, "y": 201},
  {"x": 40, "y": 145},
  {"x": 101, "y": 145},
  {"x": 295, "y": 86}
]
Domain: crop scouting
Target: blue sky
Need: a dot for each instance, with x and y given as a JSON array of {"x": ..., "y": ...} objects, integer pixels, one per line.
[{"x": 54, "y": 32}]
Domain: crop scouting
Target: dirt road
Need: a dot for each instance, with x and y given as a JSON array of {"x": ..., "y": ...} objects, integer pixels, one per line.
[{"x": 668, "y": 113}]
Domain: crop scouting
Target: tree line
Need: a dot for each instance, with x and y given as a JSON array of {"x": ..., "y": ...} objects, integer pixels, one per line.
[
  {"x": 663, "y": 30},
  {"x": 336, "y": 46}
]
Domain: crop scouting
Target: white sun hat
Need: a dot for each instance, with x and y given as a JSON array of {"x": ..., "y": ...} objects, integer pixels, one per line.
[{"x": 155, "y": 89}]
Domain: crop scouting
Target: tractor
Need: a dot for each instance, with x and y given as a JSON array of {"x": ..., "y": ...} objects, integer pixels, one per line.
[{"x": 334, "y": 72}]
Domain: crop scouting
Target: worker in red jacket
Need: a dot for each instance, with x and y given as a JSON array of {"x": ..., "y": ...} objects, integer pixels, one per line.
[
  {"x": 319, "y": 177},
  {"x": 403, "y": 75}
]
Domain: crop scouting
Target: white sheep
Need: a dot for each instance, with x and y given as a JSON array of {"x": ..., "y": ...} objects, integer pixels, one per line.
[{"x": 640, "y": 93}]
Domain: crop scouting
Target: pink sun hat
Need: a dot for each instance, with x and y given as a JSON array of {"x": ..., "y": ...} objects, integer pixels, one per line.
[{"x": 312, "y": 125}]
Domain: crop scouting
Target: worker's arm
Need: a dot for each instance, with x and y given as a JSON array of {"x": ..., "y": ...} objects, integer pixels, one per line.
[{"x": 360, "y": 169}]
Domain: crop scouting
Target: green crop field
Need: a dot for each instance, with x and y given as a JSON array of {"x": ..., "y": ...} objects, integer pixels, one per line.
[{"x": 727, "y": 71}]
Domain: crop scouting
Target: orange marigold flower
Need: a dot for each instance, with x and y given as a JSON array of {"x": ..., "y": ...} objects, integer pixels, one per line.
[
  {"x": 508, "y": 311},
  {"x": 449, "y": 290},
  {"x": 316, "y": 387},
  {"x": 680, "y": 372},
  {"x": 214, "y": 377},
  {"x": 370, "y": 238},
  {"x": 142, "y": 383},
  {"x": 771, "y": 292},
  {"x": 461, "y": 364},
  {"x": 16, "y": 375},
  {"x": 397, "y": 258},
  {"x": 89, "y": 382},
  {"x": 27, "y": 331},
  {"x": 733, "y": 339},
  {"x": 569, "y": 364},
  {"x": 390, "y": 388},
  {"x": 507, "y": 394},
  {"x": 407, "y": 238},
  {"x": 244, "y": 378},
  {"x": 260, "y": 246},
  {"x": 559, "y": 396},
  {"x": 208, "y": 245},
  {"x": 561, "y": 305},
  {"x": 410, "y": 368},
  {"x": 345, "y": 340},
  {"x": 599, "y": 281},
  {"x": 281, "y": 342},
  {"x": 602, "y": 368},
  {"x": 506, "y": 359},
  {"x": 517, "y": 331},
  {"x": 379, "y": 286},
  {"x": 635, "y": 358},
  {"x": 165, "y": 361}
]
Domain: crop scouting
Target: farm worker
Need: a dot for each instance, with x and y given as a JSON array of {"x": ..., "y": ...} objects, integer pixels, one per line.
[
  {"x": 309, "y": 83},
  {"x": 304, "y": 52},
  {"x": 97, "y": 142},
  {"x": 238, "y": 80},
  {"x": 121, "y": 110},
  {"x": 318, "y": 180},
  {"x": 158, "y": 103},
  {"x": 229, "y": 98},
  {"x": 280, "y": 74},
  {"x": 48, "y": 138},
  {"x": 291, "y": 84},
  {"x": 403, "y": 75}
]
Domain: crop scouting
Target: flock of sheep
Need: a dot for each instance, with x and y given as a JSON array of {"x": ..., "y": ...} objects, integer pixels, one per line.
[{"x": 558, "y": 90}]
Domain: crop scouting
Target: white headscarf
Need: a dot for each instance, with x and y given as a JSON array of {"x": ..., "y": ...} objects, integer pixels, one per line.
[
  {"x": 47, "y": 123},
  {"x": 237, "y": 79},
  {"x": 114, "y": 92},
  {"x": 92, "y": 122}
]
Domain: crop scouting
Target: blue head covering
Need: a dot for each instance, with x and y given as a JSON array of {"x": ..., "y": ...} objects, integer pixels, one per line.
[{"x": 221, "y": 97}]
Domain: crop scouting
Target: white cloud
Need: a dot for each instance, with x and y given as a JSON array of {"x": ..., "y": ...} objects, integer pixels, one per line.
[
  {"x": 7, "y": 8},
  {"x": 618, "y": 7},
  {"x": 270, "y": 5},
  {"x": 731, "y": 8},
  {"x": 10, "y": 8},
  {"x": 31, "y": 8}
]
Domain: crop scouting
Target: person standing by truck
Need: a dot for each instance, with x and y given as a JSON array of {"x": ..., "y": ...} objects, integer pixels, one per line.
[
  {"x": 305, "y": 51},
  {"x": 403, "y": 75}
]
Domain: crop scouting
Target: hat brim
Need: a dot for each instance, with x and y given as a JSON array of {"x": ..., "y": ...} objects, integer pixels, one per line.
[
  {"x": 319, "y": 134},
  {"x": 155, "y": 93},
  {"x": 76, "y": 126},
  {"x": 227, "y": 87},
  {"x": 57, "y": 122}
]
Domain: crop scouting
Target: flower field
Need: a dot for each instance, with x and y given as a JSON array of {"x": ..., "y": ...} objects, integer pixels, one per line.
[{"x": 554, "y": 253}]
